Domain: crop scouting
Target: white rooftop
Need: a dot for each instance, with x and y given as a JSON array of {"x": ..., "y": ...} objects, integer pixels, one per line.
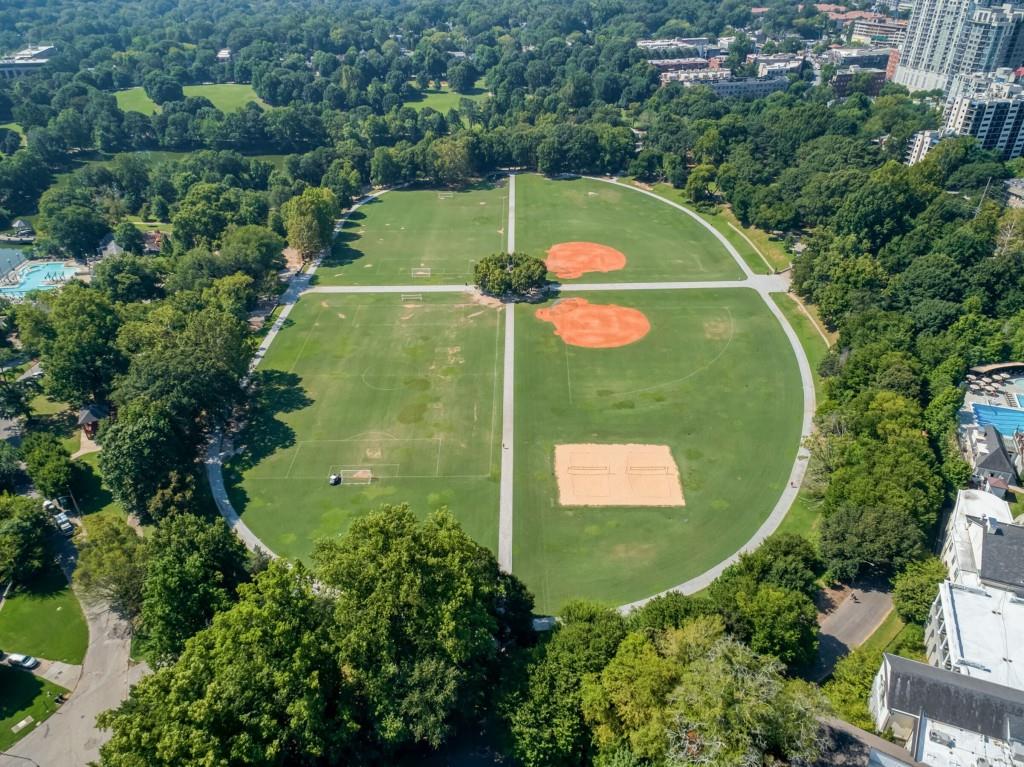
[
  {"x": 943, "y": 745},
  {"x": 985, "y": 627},
  {"x": 965, "y": 533}
]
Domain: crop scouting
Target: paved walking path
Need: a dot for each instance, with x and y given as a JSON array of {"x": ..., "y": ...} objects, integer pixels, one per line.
[
  {"x": 763, "y": 284},
  {"x": 849, "y": 625},
  {"x": 505, "y": 518}
]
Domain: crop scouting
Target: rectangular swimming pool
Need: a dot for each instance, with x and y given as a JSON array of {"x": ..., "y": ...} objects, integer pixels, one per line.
[{"x": 41, "y": 275}]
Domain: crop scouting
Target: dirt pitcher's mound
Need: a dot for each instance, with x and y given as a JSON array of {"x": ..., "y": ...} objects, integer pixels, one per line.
[
  {"x": 617, "y": 475},
  {"x": 595, "y": 326},
  {"x": 569, "y": 260}
]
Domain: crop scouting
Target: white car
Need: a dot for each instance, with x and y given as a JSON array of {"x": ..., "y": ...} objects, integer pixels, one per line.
[
  {"x": 22, "y": 661},
  {"x": 64, "y": 524}
]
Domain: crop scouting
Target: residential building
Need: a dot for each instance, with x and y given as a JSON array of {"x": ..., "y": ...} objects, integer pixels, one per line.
[
  {"x": 869, "y": 80},
  {"x": 109, "y": 247},
  {"x": 946, "y": 719},
  {"x": 976, "y": 632},
  {"x": 989, "y": 454},
  {"x": 1015, "y": 195},
  {"x": 994, "y": 116},
  {"x": 920, "y": 144},
  {"x": 700, "y": 44},
  {"x": 696, "y": 76},
  {"x": 678, "y": 65},
  {"x": 874, "y": 58},
  {"x": 884, "y": 31},
  {"x": 843, "y": 745},
  {"x": 778, "y": 64},
  {"x": 224, "y": 54},
  {"x": 25, "y": 61},
  {"x": 975, "y": 548},
  {"x": 950, "y": 37},
  {"x": 725, "y": 85},
  {"x": 153, "y": 242}
]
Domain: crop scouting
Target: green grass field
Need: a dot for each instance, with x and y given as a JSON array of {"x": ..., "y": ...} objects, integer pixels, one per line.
[
  {"x": 44, "y": 619},
  {"x": 135, "y": 100},
  {"x": 714, "y": 379},
  {"x": 405, "y": 229},
  {"x": 660, "y": 242},
  {"x": 446, "y": 99},
  {"x": 409, "y": 390},
  {"x": 227, "y": 97},
  {"x": 23, "y": 694}
]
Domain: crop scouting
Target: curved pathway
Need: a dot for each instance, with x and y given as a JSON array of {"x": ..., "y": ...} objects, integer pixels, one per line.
[{"x": 764, "y": 285}]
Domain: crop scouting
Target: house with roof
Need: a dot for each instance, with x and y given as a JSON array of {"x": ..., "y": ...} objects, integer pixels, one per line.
[
  {"x": 945, "y": 719},
  {"x": 108, "y": 247},
  {"x": 152, "y": 242},
  {"x": 22, "y": 228},
  {"x": 89, "y": 418},
  {"x": 979, "y": 542}
]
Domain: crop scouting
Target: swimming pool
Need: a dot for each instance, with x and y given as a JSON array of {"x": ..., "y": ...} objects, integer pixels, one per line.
[
  {"x": 1005, "y": 419},
  {"x": 42, "y": 275}
]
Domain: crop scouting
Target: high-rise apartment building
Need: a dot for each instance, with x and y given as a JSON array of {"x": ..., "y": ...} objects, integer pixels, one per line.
[
  {"x": 950, "y": 37},
  {"x": 994, "y": 115}
]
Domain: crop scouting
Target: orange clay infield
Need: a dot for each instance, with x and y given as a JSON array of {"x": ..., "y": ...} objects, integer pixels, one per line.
[
  {"x": 569, "y": 260},
  {"x": 595, "y": 326},
  {"x": 617, "y": 475}
]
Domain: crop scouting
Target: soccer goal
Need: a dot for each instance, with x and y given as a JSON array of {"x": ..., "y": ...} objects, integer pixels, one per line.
[
  {"x": 412, "y": 298},
  {"x": 420, "y": 271},
  {"x": 354, "y": 476},
  {"x": 445, "y": 195}
]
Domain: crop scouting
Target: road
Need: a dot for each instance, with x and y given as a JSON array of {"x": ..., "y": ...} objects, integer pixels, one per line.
[{"x": 847, "y": 626}]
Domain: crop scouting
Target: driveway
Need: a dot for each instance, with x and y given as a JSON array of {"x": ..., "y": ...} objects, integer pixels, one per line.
[{"x": 858, "y": 611}]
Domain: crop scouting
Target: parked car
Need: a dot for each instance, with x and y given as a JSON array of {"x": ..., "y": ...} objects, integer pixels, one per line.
[
  {"x": 22, "y": 661},
  {"x": 64, "y": 524}
]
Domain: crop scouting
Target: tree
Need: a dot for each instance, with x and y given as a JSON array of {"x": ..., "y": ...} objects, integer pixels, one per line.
[
  {"x": 783, "y": 624},
  {"x": 194, "y": 568},
  {"x": 162, "y": 88},
  {"x": 309, "y": 220},
  {"x": 515, "y": 274},
  {"x": 126, "y": 278},
  {"x": 698, "y": 183},
  {"x": 259, "y": 687},
  {"x": 462, "y": 77},
  {"x": 915, "y": 589},
  {"x": 139, "y": 452},
  {"x": 128, "y": 236},
  {"x": 48, "y": 463},
  {"x": 72, "y": 221},
  {"x": 695, "y": 696},
  {"x": 24, "y": 529},
  {"x": 112, "y": 566},
  {"x": 546, "y": 717},
  {"x": 10, "y": 467},
  {"x": 424, "y": 621},
  {"x": 83, "y": 358}
]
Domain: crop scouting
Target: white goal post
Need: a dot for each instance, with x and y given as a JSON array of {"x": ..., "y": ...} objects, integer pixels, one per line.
[
  {"x": 420, "y": 271},
  {"x": 354, "y": 476},
  {"x": 445, "y": 195},
  {"x": 408, "y": 298}
]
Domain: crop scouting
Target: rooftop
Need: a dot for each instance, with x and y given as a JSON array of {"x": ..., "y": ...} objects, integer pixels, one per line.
[
  {"x": 976, "y": 705},
  {"x": 1002, "y": 556},
  {"x": 985, "y": 627}
]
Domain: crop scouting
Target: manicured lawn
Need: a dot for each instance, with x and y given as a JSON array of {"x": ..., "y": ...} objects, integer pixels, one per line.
[
  {"x": 715, "y": 379},
  {"x": 771, "y": 248},
  {"x": 747, "y": 253},
  {"x": 410, "y": 391},
  {"x": 227, "y": 97},
  {"x": 446, "y": 99},
  {"x": 136, "y": 100},
  {"x": 659, "y": 242},
  {"x": 23, "y": 694},
  {"x": 44, "y": 619},
  {"x": 443, "y": 231}
]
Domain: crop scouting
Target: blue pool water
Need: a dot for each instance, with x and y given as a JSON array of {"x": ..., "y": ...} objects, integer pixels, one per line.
[
  {"x": 44, "y": 275},
  {"x": 1007, "y": 420}
]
